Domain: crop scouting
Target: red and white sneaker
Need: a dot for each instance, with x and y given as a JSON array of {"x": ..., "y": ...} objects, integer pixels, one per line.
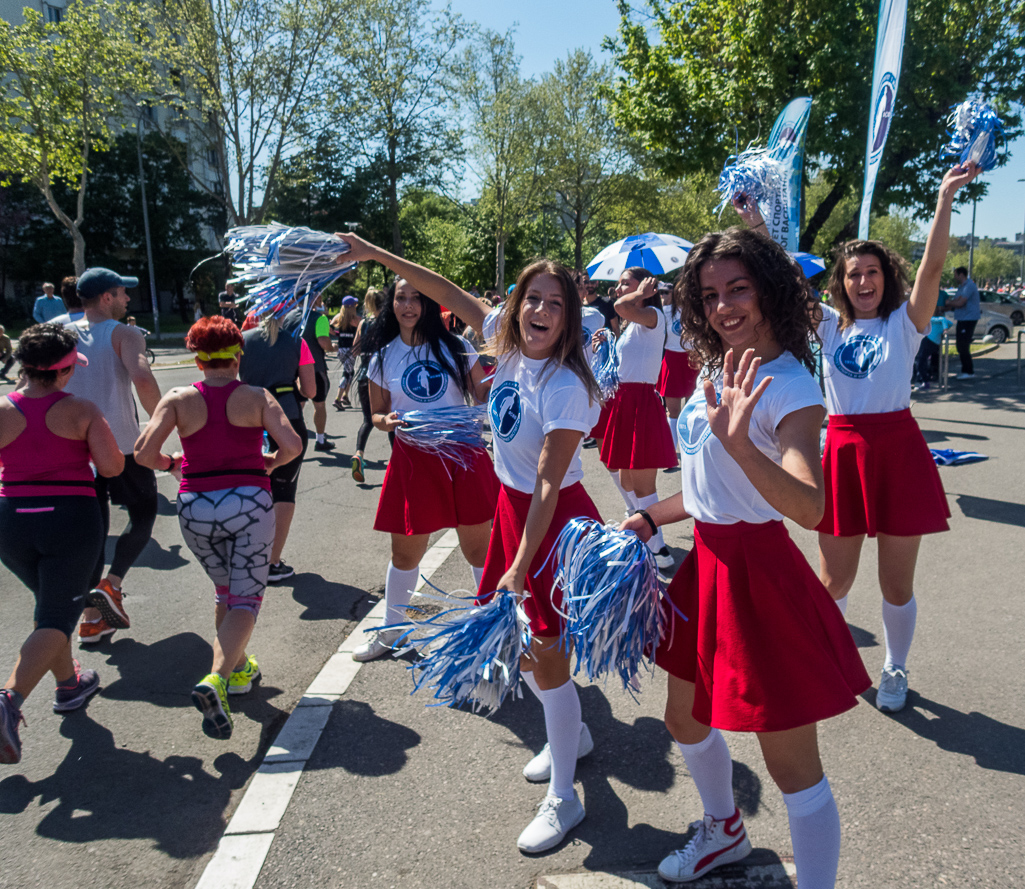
[
  {"x": 714, "y": 843},
  {"x": 92, "y": 632}
]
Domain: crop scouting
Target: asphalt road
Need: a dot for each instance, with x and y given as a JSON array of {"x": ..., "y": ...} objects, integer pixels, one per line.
[{"x": 129, "y": 792}]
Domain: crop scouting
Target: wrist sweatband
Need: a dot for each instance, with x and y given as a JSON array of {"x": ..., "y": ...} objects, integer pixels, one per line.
[{"x": 643, "y": 513}]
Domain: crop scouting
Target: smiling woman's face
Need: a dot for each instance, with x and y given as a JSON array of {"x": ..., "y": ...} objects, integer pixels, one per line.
[
  {"x": 542, "y": 316},
  {"x": 407, "y": 305}
]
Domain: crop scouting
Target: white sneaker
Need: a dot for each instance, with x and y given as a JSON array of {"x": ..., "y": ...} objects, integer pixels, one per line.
[
  {"x": 965, "y": 377},
  {"x": 893, "y": 689},
  {"x": 540, "y": 767},
  {"x": 378, "y": 645},
  {"x": 664, "y": 558},
  {"x": 714, "y": 843},
  {"x": 555, "y": 818}
]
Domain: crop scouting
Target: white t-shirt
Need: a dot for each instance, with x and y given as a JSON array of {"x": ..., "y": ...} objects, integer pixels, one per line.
[
  {"x": 528, "y": 400},
  {"x": 715, "y": 488},
  {"x": 415, "y": 379},
  {"x": 640, "y": 352},
  {"x": 674, "y": 326},
  {"x": 868, "y": 366},
  {"x": 592, "y": 320}
]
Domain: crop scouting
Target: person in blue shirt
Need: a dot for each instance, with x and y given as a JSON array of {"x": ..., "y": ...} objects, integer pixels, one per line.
[
  {"x": 47, "y": 306},
  {"x": 966, "y": 315},
  {"x": 927, "y": 360}
]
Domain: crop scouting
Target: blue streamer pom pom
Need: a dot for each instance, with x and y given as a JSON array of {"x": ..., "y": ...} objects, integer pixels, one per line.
[
  {"x": 974, "y": 127},
  {"x": 605, "y": 364},
  {"x": 755, "y": 173},
  {"x": 453, "y": 433}
]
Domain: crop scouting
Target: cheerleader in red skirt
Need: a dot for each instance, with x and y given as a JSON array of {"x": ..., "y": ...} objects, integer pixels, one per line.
[
  {"x": 881, "y": 480},
  {"x": 760, "y": 623},
  {"x": 636, "y": 441},
  {"x": 543, "y": 401},
  {"x": 678, "y": 376},
  {"x": 416, "y": 363}
]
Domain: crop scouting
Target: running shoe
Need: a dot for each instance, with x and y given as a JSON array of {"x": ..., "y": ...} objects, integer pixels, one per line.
[
  {"x": 970, "y": 376},
  {"x": 893, "y": 689},
  {"x": 378, "y": 645},
  {"x": 540, "y": 767},
  {"x": 346, "y": 403},
  {"x": 279, "y": 572},
  {"x": 589, "y": 442},
  {"x": 211, "y": 699},
  {"x": 73, "y": 695},
  {"x": 10, "y": 743},
  {"x": 92, "y": 632},
  {"x": 664, "y": 558},
  {"x": 357, "y": 469},
  {"x": 108, "y": 601},
  {"x": 241, "y": 681},
  {"x": 714, "y": 843},
  {"x": 324, "y": 445},
  {"x": 555, "y": 818},
  {"x": 337, "y": 405}
]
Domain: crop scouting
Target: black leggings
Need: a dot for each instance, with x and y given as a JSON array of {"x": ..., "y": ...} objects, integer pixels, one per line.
[
  {"x": 963, "y": 339},
  {"x": 363, "y": 390},
  {"x": 136, "y": 490},
  {"x": 50, "y": 544}
]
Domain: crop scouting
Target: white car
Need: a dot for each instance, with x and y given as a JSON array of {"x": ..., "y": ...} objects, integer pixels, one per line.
[{"x": 991, "y": 324}]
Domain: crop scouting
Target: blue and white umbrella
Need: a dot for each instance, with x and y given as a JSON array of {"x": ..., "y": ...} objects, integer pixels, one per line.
[
  {"x": 656, "y": 253},
  {"x": 810, "y": 263}
]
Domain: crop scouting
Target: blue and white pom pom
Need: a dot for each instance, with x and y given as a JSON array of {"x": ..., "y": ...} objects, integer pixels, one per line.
[
  {"x": 974, "y": 127},
  {"x": 611, "y": 597},
  {"x": 285, "y": 265},
  {"x": 605, "y": 364},
  {"x": 755, "y": 173},
  {"x": 471, "y": 654},
  {"x": 453, "y": 433}
]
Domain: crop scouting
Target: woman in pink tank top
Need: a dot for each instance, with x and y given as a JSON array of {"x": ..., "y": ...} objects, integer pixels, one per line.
[
  {"x": 50, "y": 527},
  {"x": 224, "y": 476}
]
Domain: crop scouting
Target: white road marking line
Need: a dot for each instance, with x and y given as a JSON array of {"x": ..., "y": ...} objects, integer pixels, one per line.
[{"x": 247, "y": 839}]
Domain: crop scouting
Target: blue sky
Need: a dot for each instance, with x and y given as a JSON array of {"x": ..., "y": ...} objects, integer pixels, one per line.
[{"x": 548, "y": 29}]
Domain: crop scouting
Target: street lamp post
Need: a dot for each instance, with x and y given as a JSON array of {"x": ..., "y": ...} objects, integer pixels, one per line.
[
  {"x": 971, "y": 245},
  {"x": 1022, "y": 282},
  {"x": 154, "y": 296}
]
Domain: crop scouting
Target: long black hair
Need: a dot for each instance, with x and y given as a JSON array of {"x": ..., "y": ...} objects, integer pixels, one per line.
[{"x": 430, "y": 330}]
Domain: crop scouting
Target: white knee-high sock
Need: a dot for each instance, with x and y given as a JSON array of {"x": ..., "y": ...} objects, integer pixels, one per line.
[
  {"x": 899, "y": 630},
  {"x": 398, "y": 587},
  {"x": 842, "y": 605},
  {"x": 562, "y": 722},
  {"x": 815, "y": 835},
  {"x": 657, "y": 541},
  {"x": 711, "y": 767},
  {"x": 528, "y": 677},
  {"x": 624, "y": 493},
  {"x": 478, "y": 574}
]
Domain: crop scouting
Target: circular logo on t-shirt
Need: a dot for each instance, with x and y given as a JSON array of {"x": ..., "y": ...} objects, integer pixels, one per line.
[
  {"x": 504, "y": 408},
  {"x": 424, "y": 381},
  {"x": 859, "y": 356},
  {"x": 684, "y": 428},
  {"x": 677, "y": 326}
]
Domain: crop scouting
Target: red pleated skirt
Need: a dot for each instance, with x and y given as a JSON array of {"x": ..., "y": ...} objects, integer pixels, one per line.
[
  {"x": 880, "y": 478},
  {"x": 764, "y": 644},
  {"x": 637, "y": 435},
  {"x": 510, "y": 518},
  {"x": 423, "y": 493},
  {"x": 598, "y": 431},
  {"x": 677, "y": 378}
]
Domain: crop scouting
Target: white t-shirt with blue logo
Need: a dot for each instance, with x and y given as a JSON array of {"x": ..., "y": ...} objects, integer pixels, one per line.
[
  {"x": 413, "y": 377},
  {"x": 715, "y": 488},
  {"x": 674, "y": 326},
  {"x": 592, "y": 321},
  {"x": 640, "y": 352},
  {"x": 868, "y": 365},
  {"x": 530, "y": 398}
]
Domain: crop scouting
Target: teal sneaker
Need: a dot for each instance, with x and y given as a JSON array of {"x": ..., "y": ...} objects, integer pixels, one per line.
[
  {"x": 241, "y": 681},
  {"x": 211, "y": 699}
]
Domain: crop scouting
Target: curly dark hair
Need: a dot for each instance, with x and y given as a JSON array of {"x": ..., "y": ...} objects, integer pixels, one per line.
[
  {"x": 895, "y": 278},
  {"x": 43, "y": 345},
  {"x": 783, "y": 294},
  {"x": 430, "y": 330}
]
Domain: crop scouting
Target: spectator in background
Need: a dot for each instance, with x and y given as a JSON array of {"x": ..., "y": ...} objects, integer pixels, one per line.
[
  {"x": 588, "y": 291},
  {"x": 47, "y": 306},
  {"x": 69, "y": 293},
  {"x": 927, "y": 360},
  {"x": 226, "y": 301},
  {"x": 6, "y": 355},
  {"x": 967, "y": 312}
]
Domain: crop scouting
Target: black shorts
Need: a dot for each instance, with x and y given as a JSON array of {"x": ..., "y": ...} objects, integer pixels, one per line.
[
  {"x": 323, "y": 384},
  {"x": 284, "y": 480}
]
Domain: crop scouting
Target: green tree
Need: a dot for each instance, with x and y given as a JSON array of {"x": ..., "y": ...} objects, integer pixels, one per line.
[
  {"x": 69, "y": 90},
  {"x": 508, "y": 133},
  {"x": 989, "y": 262},
  {"x": 390, "y": 94},
  {"x": 434, "y": 233},
  {"x": 247, "y": 80},
  {"x": 722, "y": 70},
  {"x": 587, "y": 154}
]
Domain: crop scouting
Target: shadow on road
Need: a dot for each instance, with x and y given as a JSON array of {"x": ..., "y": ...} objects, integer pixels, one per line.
[
  {"x": 359, "y": 741},
  {"x": 862, "y": 638},
  {"x": 987, "y": 510},
  {"x": 159, "y": 559},
  {"x": 325, "y": 599},
  {"x": 992, "y": 744},
  {"x": 107, "y": 792}
]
